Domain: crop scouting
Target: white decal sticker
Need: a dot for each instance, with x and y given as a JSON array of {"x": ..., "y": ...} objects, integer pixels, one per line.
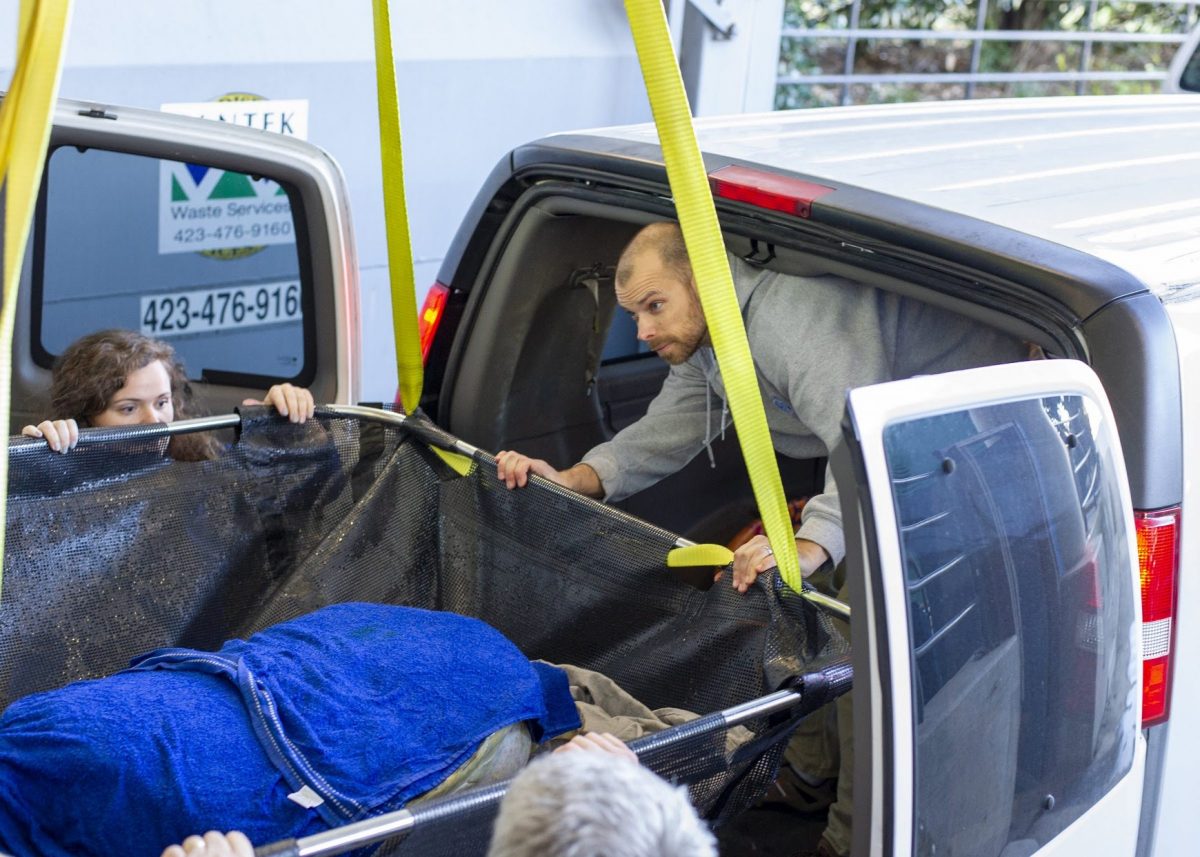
[
  {"x": 223, "y": 213},
  {"x": 203, "y": 310},
  {"x": 285, "y": 116},
  {"x": 307, "y": 798}
]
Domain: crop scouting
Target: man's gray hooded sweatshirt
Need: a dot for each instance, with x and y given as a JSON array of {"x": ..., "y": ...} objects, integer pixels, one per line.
[{"x": 812, "y": 339}]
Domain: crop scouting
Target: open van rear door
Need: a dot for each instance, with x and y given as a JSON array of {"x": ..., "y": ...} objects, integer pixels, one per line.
[
  {"x": 232, "y": 245},
  {"x": 993, "y": 561}
]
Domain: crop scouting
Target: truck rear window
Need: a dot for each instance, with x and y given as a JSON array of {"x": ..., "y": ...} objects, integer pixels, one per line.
[
  {"x": 202, "y": 257},
  {"x": 1021, "y": 620}
]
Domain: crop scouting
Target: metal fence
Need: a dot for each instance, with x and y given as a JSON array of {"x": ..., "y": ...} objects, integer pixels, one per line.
[{"x": 970, "y": 79}]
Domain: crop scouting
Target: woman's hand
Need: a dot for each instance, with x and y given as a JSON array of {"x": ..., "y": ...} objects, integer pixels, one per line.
[
  {"x": 60, "y": 435},
  {"x": 295, "y": 403}
]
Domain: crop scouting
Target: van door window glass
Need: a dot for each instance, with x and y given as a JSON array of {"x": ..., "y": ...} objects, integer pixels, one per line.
[
  {"x": 1190, "y": 78},
  {"x": 202, "y": 257},
  {"x": 1021, "y": 620}
]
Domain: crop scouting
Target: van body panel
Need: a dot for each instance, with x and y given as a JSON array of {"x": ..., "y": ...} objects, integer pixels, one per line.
[
  {"x": 1175, "y": 820},
  {"x": 1135, "y": 354}
]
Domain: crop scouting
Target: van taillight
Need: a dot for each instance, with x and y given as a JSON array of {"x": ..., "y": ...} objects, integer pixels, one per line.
[
  {"x": 1158, "y": 560},
  {"x": 766, "y": 190},
  {"x": 431, "y": 316}
]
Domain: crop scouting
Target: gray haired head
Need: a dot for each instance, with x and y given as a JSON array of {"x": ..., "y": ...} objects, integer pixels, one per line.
[{"x": 587, "y": 804}]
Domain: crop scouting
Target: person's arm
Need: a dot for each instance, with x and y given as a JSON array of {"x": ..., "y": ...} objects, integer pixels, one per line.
[
  {"x": 295, "y": 403},
  {"x": 213, "y": 844},
  {"x": 672, "y": 432},
  {"x": 60, "y": 435},
  {"x": 669, "y": 436},
  {"x": 514, "y": 469}
]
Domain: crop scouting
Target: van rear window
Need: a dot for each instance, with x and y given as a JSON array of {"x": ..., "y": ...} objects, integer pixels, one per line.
[
  {"x": 1021, "y": 620},
  {"x": 202, "y": 257}
]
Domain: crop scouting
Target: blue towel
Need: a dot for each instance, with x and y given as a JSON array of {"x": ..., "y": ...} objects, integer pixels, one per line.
[{"x": 365, "y": 705}]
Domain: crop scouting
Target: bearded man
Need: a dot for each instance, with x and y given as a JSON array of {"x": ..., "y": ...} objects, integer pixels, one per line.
[{"x": 812, "y": 339}]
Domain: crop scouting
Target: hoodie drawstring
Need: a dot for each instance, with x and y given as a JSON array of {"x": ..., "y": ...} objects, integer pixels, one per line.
[{"x": 710, "y": 372}]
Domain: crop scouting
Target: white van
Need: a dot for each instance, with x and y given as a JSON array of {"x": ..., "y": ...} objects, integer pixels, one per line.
[{"x": 1011, "y": 698}]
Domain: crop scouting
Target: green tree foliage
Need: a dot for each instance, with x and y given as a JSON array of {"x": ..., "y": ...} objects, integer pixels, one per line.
[{"x": 810, "y": 55}]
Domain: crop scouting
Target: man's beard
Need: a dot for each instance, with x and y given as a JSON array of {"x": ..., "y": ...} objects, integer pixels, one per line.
[{"x": 681, "y": 348}]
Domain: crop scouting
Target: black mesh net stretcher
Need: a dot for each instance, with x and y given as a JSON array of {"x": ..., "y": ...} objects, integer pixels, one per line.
[{"x": 114, "y": 549}]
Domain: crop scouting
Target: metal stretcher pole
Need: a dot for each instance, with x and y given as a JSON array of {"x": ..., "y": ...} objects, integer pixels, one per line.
[
  {"x": 835, "y": 608},
  {"x": 387, "y": 826},
  {"x": 341, "y": 839}
]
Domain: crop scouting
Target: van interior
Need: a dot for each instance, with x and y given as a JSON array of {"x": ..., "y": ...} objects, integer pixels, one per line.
[{"x": 546, "y": 363}]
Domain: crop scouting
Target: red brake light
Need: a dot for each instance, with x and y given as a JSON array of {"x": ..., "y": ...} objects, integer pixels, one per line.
[
  {"x": 431, "y": 316},
  {"x": 1158, "y": 562},
  {"x": 1156, "y": 682},
  {"x": 766, "y": 190}
]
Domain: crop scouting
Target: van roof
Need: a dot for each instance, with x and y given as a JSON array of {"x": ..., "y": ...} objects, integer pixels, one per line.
[{"x": 1115, "y": 176}]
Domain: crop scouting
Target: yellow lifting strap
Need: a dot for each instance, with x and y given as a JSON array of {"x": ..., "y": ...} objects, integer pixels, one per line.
[
  {"x": 694, "y": 555},
  {"x": 26, "y": 116},
  {"x": 409, "y": 370},
  {"x": 460, "y": 464},
  {"x": 702, "y": 234}
]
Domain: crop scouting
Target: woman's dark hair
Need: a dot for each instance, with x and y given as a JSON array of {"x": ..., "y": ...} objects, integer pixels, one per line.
[{"x": 94, "y": 368}]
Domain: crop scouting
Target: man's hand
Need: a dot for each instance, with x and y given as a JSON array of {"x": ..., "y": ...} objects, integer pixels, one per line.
[
  {"x": 213, "y": 844},
  {"x": 513, "y": 469},
  {"x": 295, "y": 403},
  {"x": 756, "y": 556},
  {"x": 60, "y": 435}
]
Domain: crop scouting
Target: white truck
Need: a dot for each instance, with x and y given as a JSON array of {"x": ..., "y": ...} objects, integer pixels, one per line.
[{"x": 1016, "y": 693}]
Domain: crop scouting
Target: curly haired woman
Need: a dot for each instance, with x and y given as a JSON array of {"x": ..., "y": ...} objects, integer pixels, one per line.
[{"x": 122, "y": 378}]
